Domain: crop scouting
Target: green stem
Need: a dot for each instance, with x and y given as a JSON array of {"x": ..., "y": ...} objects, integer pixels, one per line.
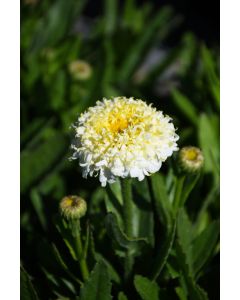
[
  {"x": 76, "y": 231},
  {"x": 128, "y": 222},
  {"x": 178, "y": 193}
]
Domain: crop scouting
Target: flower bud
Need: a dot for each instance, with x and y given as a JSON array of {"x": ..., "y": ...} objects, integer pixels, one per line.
[
  {"x": 73, "y": 207},
  {"x": 80, "y": 70},
  {"x": 191, "y": 159}
]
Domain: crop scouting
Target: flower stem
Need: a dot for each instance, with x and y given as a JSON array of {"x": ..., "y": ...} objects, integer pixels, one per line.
[
  {"x": 128, "y": 222},
  {"x": 178, "y": 193},
  {"x": 76, "y": 232}
]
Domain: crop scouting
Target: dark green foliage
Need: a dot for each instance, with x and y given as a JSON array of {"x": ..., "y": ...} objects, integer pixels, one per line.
[
  {"x": 98, "y": 287},
  {"x": 148, "y": 290},
  {"x": 27, "y": 290},
  {"x": 174, "y": 243},
  {"x": 37, "y": 162}
]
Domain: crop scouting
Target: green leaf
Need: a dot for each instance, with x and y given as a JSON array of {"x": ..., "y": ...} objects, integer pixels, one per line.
[
  {"x": 27, "y": 290},
  {"x": 212, "y": 196},
  {"x": 108, "y": 70},
  {"x": 147, "y": 289},
  {"x": 181, "y": 294},
  {"x": 163, "y": 252},
  {"x": 209, "y": 143},
  {"x": 190, "y": 287},
  {"x": 32, "y": 129},
  {"x": 110, "y": 7},
  {"x": 66, "y": 234},
  {"x": 143, "y": 223},
  {"x": 38, "y": 206},
  {"x": 189, "y": 185},
  {"x": 123, "y": 241},
  {"x": 58, "y": 284},
  {"x": 122, "y": 296},
  {"x": 184, "y": 234},
  {"x": 54, "y": 25},
  {"x": 111, "y": 271},
  {"x": 204, "y": 245},
  {"x": 189, "y": 52},
  {"x": 63, "y": 264},
  {"x": 113, "y": 201},
  {"x": 185, "y": 106},
  {"x": 184, "y": 257},
  {"x": 41, "y": 160},
  {"x": 161, "y": 199},
  {"x": 58, "y": 89},
  {"x": 165, "y": 215},
  {"x": 98, "y": 287},
  {"x": 211, "y": 73},
  {"x": 135, "y": 53}
]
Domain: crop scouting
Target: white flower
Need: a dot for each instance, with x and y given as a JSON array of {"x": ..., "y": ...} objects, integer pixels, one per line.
[{"x": 123, "y": 137}]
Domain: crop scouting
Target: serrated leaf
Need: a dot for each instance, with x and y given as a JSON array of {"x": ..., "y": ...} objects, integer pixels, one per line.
[
  {"x": 98, "y": 287},
  {"x": 185, "y": 258},
  {"x": 114, "y": 276},
  {"x": 185, "y": 106},
  {"x": 27, "y": 291},
  {"x": 190, "y": 287},
  {"x": 184, "y": 234},
  {"x": 122, "y": 240},
  {"x": 204, "y": 245},
  {"x": 147, "y": 289}
]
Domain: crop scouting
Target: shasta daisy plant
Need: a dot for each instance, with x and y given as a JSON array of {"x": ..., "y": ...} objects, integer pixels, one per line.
[{"x": 126, "y": 138}]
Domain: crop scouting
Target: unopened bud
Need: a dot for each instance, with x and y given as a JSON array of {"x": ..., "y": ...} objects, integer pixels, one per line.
[
  {"x": 73, "y": 207},
  {"x": 191, "y": 159},
  {"x": 80, "y": 70}
]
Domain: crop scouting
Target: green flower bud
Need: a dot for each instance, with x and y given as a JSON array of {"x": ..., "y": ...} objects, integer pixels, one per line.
[
  {"x": 80, "y": 70},
  {"x": 191, "y": 159},
  {"x": 73, "y": 207}
]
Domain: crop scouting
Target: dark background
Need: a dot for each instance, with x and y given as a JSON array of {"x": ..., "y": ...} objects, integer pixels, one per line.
[{"x": 200, "y": 17}]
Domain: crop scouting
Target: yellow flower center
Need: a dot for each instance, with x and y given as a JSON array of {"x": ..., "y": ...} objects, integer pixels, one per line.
[
  {"x": 117, "y": 125},
  {"x": 68, "y": 201},
  {"x": 191, "y": 154},
  {"x": 117, "y": 119}
]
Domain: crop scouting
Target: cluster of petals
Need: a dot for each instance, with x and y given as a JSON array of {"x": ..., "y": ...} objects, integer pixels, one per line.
[{"x": 122, "y": 137}]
